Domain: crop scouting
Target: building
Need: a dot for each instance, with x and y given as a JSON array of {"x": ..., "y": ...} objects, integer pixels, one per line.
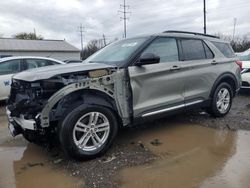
[{"x": 57, "y": 49}]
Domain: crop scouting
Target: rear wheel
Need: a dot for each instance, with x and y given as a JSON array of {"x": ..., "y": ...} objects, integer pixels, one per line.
[
  {"x": 88, "y": 131},
  {"x": 221, "y": 100}
]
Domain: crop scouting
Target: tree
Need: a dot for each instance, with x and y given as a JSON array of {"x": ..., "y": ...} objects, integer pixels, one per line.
[
  {"x": 92, "y": 47},
  {"x": 239, "y": 43},
  {"x": 29, "y": 36}
]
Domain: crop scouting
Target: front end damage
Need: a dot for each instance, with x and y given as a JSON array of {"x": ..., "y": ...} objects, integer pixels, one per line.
[{"x": 38, "y": 106}]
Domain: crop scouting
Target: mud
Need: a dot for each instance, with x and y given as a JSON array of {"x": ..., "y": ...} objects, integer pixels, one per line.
[
  {"x": 178, "y": 151},
  {"x": 192, "y": 156},
  {"x": 24, "y": 165}
]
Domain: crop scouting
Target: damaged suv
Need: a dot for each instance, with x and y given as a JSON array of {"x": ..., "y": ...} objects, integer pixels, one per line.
[{"x": 128, "y": 81}]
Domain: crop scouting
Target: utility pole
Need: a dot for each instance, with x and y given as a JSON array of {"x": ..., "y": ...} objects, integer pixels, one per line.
[
  {"x": 35, "y": 31},
  {"x": 205, "y": 19},
  {"x": 235, "y": 21},
  {"x": 104, "y": 40},
  {"x": 123, "y": 10},
  {"x": 81, "y": 30}
]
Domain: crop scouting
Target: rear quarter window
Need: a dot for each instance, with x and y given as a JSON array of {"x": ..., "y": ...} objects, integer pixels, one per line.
[{"x": 225, "y": 49}]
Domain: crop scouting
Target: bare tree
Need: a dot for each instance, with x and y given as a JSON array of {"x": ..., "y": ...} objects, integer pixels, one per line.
[
  {"x": 239, "y": 43},
  {"x": 92, "y": 47}
]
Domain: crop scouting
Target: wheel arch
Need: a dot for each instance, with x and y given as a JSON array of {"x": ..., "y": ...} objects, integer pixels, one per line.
[{"x": 228, "y": 78}]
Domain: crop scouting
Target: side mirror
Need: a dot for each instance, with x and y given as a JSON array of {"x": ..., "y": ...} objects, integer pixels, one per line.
[{"x": 148, "y": 58}]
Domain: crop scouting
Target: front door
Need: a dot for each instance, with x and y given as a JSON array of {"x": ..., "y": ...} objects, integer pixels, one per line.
[{"x": 158, "y": 87}]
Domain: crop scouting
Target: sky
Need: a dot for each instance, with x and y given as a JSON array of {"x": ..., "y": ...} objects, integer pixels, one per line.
[{"x": 60, "y": 19}]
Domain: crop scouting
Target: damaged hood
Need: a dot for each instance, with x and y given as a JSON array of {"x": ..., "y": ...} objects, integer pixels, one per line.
[{"x": 50, "y": 71}]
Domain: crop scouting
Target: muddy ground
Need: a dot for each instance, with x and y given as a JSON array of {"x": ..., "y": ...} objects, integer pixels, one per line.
[{"x": 185, "y": 150}]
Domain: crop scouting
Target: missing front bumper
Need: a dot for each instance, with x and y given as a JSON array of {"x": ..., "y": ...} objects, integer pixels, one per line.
[{"x": 16, "y": 124}]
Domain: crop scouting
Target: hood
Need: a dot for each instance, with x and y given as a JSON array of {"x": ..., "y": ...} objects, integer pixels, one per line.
[{"x": 50, "y": 71}]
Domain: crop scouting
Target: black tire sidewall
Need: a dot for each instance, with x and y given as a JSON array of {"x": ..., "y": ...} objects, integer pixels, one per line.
[
  {"x": 214, "y": 108},
  {"x": 67, "y": 126}
]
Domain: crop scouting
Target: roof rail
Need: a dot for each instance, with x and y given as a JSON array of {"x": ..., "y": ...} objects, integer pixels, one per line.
[{"x": 193, "y": 33}]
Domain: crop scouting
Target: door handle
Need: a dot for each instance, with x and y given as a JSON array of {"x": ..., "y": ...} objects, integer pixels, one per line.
[
  {"x": 214, "y": 62},
  {"x": 175, "y": 67}
]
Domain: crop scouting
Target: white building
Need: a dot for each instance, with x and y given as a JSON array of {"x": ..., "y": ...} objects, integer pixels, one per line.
[{"x": 57, "y": 49}]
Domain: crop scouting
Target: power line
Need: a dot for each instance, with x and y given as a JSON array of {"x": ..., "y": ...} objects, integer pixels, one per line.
[{"x": 123, "y": 10}]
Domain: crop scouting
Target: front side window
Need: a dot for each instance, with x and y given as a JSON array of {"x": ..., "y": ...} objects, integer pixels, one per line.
[
  {"x": 165, "y": 48},
  {"x": 193, "y": 49},
  {"x": 10, "y": 67}
]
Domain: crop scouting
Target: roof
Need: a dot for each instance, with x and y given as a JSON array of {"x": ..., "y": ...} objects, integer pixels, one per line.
[{"x": 11, "y": 44}]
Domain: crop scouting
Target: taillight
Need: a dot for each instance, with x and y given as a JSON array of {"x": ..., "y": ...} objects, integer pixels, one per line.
[{"x": 239, "y": 63}]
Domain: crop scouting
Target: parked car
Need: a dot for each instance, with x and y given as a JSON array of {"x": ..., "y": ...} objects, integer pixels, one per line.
[
  {"x": 126, "y": 82},
  {"x": 12, "y": 65},
  {"x": 73, "y": 61},
  {"x": 245, "y": 73}
]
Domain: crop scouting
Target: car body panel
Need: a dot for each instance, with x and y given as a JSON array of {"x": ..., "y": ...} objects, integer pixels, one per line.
[
  {"x": 48, "y": 72},
  {"x": 5, "y": 83},
  {"x": 155, "y": 86}
]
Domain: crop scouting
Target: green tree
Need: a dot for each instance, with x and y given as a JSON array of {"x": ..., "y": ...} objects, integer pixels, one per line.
[{"x": 29, "y": 36}]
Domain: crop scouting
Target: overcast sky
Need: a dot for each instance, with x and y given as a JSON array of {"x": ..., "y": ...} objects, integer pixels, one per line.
[{"x": 59, "y": 19}]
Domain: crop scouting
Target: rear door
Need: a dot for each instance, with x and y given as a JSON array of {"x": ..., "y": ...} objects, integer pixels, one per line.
[
  {"x": 200, "y": 70},
  {"x": 7, "y": 70},
  {"x": 158, "y": 87}
]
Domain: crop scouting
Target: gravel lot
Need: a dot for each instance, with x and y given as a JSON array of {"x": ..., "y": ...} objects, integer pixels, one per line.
[{"x": 127, "y": 151}]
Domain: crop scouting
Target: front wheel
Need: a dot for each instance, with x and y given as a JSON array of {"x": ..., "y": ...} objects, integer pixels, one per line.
[
  {"x": 88, "y": 131},
  {"x": 221, "y": 101}
]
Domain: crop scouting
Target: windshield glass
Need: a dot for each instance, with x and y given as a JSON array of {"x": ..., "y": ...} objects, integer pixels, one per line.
[{"x": 117, "y": 53}]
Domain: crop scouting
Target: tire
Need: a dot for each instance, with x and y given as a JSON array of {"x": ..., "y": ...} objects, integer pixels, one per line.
[
  {"x": 87, "y": 131},
  {"x": 220, "y": 106}
]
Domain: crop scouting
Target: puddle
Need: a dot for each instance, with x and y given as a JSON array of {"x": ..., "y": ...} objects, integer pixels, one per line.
[
  {"x": 192, "y": 156},
  {"x": 24, "y": 167}
]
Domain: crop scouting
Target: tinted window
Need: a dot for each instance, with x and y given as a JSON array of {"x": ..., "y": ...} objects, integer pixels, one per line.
[
  {"x": 193, "y": 49},
  {"x": 10, "y": 67},
  {"x": 36, "y": 63},
  {"x": 225, "y": 49},
  {"x": 209, "y": 54},
  {"x": 165, "y": 48}
]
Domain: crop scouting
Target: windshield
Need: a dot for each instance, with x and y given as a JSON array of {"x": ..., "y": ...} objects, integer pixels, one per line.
[{"x": 117, "y": 53}]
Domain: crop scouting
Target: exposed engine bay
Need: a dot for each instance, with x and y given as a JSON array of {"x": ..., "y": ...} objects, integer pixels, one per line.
[{"x": 45, "y": 101}]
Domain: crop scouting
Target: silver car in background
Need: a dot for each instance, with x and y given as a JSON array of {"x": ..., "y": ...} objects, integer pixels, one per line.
[{"x": 128, "y": 81}]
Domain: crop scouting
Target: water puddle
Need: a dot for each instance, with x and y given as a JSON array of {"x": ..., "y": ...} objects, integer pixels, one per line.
[
  {"x": 192, "y": 156},
  {"x": 25, "y": 165}
]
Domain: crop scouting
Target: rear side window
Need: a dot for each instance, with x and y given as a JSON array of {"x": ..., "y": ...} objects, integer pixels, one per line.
[
  {"x": 10, "y": 67},
  {"x": 225, "y": 49},
  {"x": 165, "y": 48},
  {"x": 192, "y": 49}
]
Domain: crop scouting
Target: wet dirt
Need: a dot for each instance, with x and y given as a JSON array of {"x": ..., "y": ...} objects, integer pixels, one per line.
[
  {"x": 177, "y": 151},
  {"x": 25, "y": 165},
  {"x": 191, "y": 156}
]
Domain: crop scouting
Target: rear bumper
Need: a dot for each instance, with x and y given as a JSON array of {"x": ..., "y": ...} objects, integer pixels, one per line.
[{"x": 19, "y": 124}]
